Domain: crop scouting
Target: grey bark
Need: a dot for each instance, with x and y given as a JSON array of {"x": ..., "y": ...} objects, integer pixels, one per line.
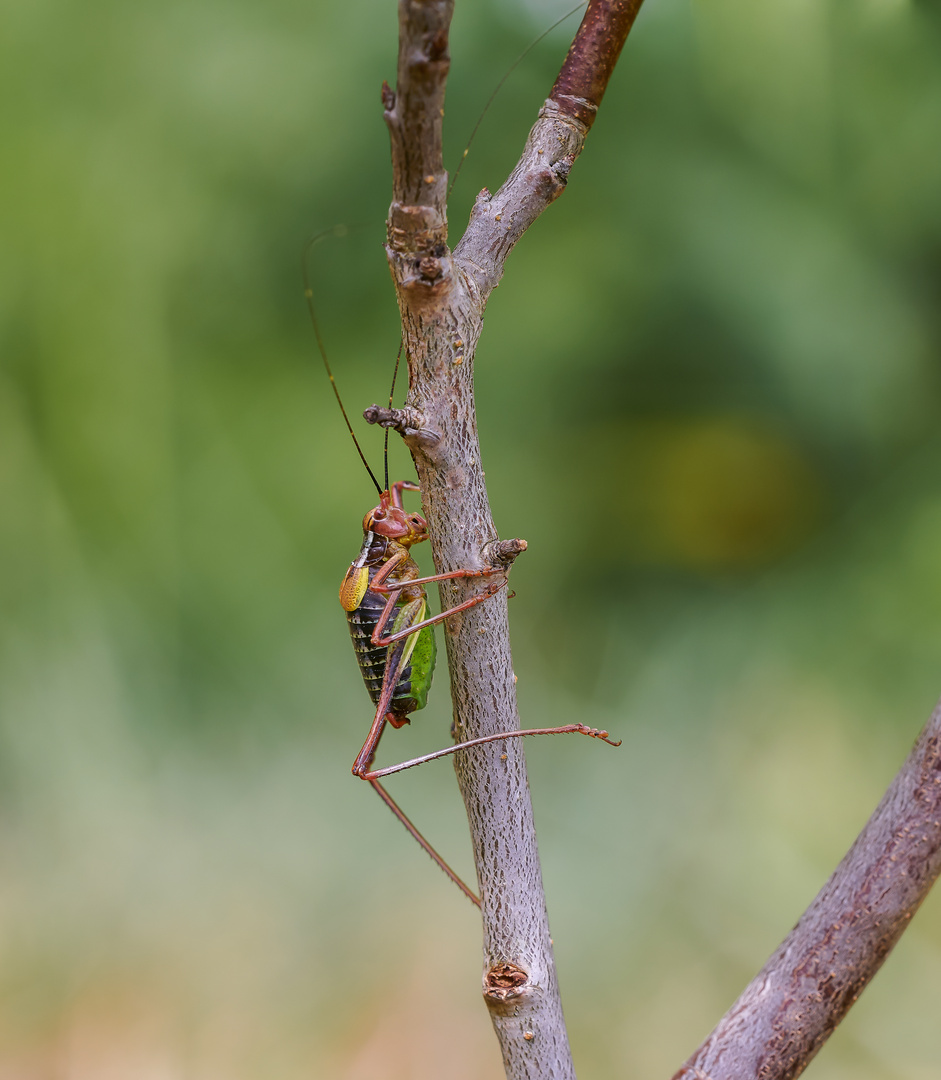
[{"x": 441, "y": 298}]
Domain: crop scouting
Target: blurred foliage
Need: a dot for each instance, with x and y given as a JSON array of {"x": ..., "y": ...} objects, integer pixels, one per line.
[{"x": 708, "y": 393}]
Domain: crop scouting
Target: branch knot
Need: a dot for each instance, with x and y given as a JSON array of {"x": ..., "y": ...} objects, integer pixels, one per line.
[
  {"x": 407, "y": 422},
  {"x": 503, "y": 553},
  {"x": 503, "y": 982}
]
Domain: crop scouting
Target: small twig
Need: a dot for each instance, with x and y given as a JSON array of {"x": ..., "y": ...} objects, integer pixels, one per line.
[
  {"x": 504, "y": 552},
  {"x": 555, "y": 141},
  {"x": 407, "y": 422},
  {"x": 590, "y": 62},
  {"x": 795, "y": 1002}
]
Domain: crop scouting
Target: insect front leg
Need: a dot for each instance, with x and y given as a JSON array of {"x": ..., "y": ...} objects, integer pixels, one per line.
[
  {"x": 491, "y": 590},
  {"x": 395, "y": 491}
]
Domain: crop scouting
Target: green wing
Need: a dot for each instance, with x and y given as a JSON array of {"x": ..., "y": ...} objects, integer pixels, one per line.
[
  {"x": 423, "y": 665},
  {"x": 418, "y": 649}
]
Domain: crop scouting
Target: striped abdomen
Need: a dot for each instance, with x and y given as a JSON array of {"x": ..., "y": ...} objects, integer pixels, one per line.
[
  {"x": 410, "y": 692},
  {"x": 373, "y": 658}
]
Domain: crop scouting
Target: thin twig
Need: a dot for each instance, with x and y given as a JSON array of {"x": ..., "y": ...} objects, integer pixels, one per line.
[{"x": 555, "y": 141}]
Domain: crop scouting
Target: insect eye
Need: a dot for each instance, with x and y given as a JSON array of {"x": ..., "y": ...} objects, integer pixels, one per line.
[
  {"x": 378, "y": 515},
  {"x": 416, "y": 521}
]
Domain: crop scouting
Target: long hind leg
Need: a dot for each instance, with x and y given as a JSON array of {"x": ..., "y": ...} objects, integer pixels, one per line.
[
  {"x": 396, "y": 809},
  {"x": 565, "y": 729},
  {"x": 361, "y": 769}
]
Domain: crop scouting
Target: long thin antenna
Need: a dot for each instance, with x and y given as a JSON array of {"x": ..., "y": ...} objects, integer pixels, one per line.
[
  {"x": 516, "y": 63},
  {"x": 385, "y": 447},
  {"x": 336, "y": 230}
]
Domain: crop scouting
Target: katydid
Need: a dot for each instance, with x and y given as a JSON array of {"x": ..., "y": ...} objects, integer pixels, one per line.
[{"x": 386, "y": 606}]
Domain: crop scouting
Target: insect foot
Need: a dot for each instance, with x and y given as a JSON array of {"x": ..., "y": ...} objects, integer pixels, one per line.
[
  {"x": 595, "y": 733},
  {"x": 407, "y": 422}
]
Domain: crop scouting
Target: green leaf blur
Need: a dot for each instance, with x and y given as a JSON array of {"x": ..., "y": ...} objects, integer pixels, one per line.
[{"x": 708, "y": 393}]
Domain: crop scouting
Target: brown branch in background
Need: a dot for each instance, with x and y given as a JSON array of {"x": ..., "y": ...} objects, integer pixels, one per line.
[
  {"x": 795, "y": 1002},
  {"x": 442, "y": 298}
]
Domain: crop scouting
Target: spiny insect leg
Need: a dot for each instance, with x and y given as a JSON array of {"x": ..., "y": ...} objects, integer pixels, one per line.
[
  {"x": 491, "y": 590},
  {"x": 566, "y": 729}
]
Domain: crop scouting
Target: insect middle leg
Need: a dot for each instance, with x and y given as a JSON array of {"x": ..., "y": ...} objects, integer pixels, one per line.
[
  {"x": 362, "y": 765},
  {"x": 395, "y": 590}
]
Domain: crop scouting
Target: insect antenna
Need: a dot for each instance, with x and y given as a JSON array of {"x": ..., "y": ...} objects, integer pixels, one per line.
[
  {"x": 516, "y": 63},
  {"x": 385, "y": 446},
  {"x": 336, "y": 230}
]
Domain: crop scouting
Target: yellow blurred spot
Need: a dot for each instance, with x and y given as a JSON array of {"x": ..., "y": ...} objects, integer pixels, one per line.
[{"x": 721, "y": 493}]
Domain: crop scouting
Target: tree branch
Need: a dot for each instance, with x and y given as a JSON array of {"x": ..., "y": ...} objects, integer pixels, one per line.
[
  {"x": 555, "y": 141},
  {"x": 795, "y": 1002},
  {"x": 590, "y": 61},
  {"x": 442, "y": 298}
]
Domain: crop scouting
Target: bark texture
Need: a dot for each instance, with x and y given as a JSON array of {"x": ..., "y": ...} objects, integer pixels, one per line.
[
  {"x": 795, "y": 1002},
  {"x": 441, "y": 298}
]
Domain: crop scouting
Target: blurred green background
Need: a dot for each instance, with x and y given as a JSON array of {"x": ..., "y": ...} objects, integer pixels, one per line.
[{"x": 708, "y": 393}]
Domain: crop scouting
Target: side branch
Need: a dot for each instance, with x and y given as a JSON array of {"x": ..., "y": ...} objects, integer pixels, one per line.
[
  {"x": 555, "y": 141},
  {"x": 590, "y": 62},
  {"x": 407, "y": 422},
  {"x": 795, "y": 1002}
]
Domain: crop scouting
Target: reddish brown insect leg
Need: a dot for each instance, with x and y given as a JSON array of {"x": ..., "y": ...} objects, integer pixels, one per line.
[
  {"x": 361, "y": 769},
  {"x": 395, "y": 492},
  {"x": 365, "y": 756},
  {"x": 377, "y": 582},
  {"x": 491, "y": 590},
  {"x": 396, "y": 809},
  {"x": 566, "y": 729}
]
